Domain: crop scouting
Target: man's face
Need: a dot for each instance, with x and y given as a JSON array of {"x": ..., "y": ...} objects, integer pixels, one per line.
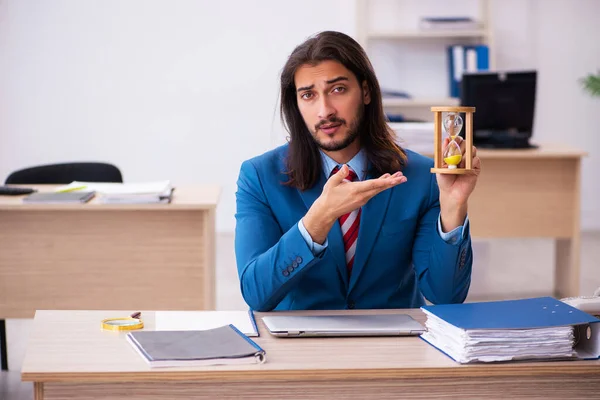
[{"x": 331, "y": 102}]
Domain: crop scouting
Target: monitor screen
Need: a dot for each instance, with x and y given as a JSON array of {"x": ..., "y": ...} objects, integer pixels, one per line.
[{"x": 504, "y": 103}]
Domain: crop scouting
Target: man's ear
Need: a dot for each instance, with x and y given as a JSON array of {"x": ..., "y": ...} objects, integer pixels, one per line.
[{"x": 366, "y": 93}]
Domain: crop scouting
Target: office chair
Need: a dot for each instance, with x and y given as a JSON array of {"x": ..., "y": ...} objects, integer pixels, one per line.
[
  {"x": 66, "y": 173},
  {"x": 63, "y": 173}
]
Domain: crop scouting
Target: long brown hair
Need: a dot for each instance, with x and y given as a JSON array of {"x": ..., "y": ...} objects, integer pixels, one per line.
[{"x": 304, "y": 161}]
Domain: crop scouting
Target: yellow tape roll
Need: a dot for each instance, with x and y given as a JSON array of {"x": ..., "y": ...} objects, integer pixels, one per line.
[{"x": 122, "y": 324}]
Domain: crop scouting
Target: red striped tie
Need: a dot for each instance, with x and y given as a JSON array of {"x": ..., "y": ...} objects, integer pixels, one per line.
[{"x": 349, "y": 224}]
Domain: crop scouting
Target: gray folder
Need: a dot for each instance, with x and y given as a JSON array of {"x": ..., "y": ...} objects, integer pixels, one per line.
[
  {"x": 58, "y": 197},
  {"x": 224, "y": 345}
]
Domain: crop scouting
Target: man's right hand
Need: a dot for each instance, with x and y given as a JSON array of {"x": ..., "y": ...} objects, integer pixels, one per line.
[{"x": 339, "y": 197}]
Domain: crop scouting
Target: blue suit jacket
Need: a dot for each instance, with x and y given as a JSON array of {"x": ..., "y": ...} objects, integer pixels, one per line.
[{"x": 400, "y": 256}]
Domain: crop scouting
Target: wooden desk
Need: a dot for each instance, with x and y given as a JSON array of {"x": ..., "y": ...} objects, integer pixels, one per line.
[
  {"x": 106, "y": 256},
  {"x": 69, "y": 356},
  {"x": 533, "y": 193}
]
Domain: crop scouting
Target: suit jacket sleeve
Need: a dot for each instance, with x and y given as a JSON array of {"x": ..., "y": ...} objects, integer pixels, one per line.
[
  {"x": 443, "y": 268},
  {"x": 269, "y": 260}
]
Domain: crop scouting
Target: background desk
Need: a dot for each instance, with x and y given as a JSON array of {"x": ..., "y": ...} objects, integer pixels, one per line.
[
  {"x": 101, "y": 256},
  {"x": 533, "y": 193},
  {"x": 69, "y": 356}
]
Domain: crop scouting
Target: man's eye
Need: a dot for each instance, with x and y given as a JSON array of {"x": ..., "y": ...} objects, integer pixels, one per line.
[
  {"x": 339, "y": 89},
  {"x": 306, "y": 95}
]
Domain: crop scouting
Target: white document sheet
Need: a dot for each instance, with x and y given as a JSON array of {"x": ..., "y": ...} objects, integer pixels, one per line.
[{"x": 202, "y": 320}]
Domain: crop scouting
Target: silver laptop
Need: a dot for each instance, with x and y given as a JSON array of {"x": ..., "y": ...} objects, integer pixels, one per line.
[{"x": 343, "y": 325}]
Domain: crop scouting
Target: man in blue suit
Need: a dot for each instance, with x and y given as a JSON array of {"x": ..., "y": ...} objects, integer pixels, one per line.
[{"x": 341, "y": 216}]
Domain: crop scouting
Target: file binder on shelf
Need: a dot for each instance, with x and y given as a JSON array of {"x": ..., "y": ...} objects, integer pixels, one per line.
[
  {"x": 465, "y": 59},
  {"x": 538, "y": 328}
]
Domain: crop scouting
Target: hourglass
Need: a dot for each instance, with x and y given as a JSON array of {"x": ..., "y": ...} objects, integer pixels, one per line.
[{"x": 448, "y": 160}]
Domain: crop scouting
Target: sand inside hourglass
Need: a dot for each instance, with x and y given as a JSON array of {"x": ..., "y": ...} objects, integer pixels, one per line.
[{"x": 453, "y": 154}]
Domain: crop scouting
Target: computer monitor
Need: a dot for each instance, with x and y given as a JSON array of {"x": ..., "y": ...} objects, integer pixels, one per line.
[{"x": 505, "y": 104}]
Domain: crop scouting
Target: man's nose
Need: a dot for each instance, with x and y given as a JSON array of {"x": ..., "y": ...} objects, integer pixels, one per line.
[{"x": 326, "y": 110}]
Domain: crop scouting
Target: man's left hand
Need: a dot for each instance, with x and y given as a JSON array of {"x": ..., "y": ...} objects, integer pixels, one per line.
[{"x": 455, "y": 189}]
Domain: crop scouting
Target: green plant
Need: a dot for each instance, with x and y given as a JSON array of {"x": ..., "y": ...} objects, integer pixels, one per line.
[{"x": 591, "y": 83}]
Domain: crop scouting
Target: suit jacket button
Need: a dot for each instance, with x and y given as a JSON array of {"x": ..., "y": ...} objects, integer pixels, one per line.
[
  {"x": 351, "y": 304},
  {"x": 285, "y": 272},
  {"x": 294, "y": 264},
  {"x": 299, "y": 259},
  {"x": 290, "y": 269}
]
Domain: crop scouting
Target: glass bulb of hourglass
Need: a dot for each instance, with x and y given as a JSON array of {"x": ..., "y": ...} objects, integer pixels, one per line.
[{"x": 453, "y": 124}]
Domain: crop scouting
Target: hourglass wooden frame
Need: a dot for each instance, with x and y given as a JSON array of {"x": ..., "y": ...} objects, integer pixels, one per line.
[{"x": 438, "y": 163}]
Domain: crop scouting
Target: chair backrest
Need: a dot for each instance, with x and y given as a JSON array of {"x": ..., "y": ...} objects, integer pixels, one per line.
[{"x": 66, "y": 173}]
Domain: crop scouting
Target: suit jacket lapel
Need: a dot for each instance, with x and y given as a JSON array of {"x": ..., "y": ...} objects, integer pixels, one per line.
[
  {"x": 335, "y": 240},
  {"x": 310, "y": 195},
  {"x": 372, "y": 216}
]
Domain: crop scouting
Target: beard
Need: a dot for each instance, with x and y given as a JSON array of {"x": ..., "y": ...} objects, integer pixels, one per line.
[{"x": 351, "y": 135}]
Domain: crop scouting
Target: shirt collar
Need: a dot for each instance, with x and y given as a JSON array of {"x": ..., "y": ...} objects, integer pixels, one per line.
[{"x": 358, "y": 163}]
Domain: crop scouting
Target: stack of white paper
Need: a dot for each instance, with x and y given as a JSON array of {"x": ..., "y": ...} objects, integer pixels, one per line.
[
  {"x": 416, "y": 136},
  {"x": 488, "y": 345},
  {"x": 125, "y": 193},
  {"x": 202, "y": 320},
  {"x": 449, "y": 23}
]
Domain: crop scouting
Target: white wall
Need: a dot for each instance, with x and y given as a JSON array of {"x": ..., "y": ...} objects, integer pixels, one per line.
[
  {"x": 567, "y": 48},
  {"x": 559, "y": 38},
  {"x": 187, "y": 90}
]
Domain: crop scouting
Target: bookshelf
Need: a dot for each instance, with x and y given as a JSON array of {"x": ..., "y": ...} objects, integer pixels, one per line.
[{"x": 396, "y": 24}]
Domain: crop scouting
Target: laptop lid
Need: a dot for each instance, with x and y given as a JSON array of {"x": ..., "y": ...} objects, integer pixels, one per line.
[{"x": 343, "y": 325}]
